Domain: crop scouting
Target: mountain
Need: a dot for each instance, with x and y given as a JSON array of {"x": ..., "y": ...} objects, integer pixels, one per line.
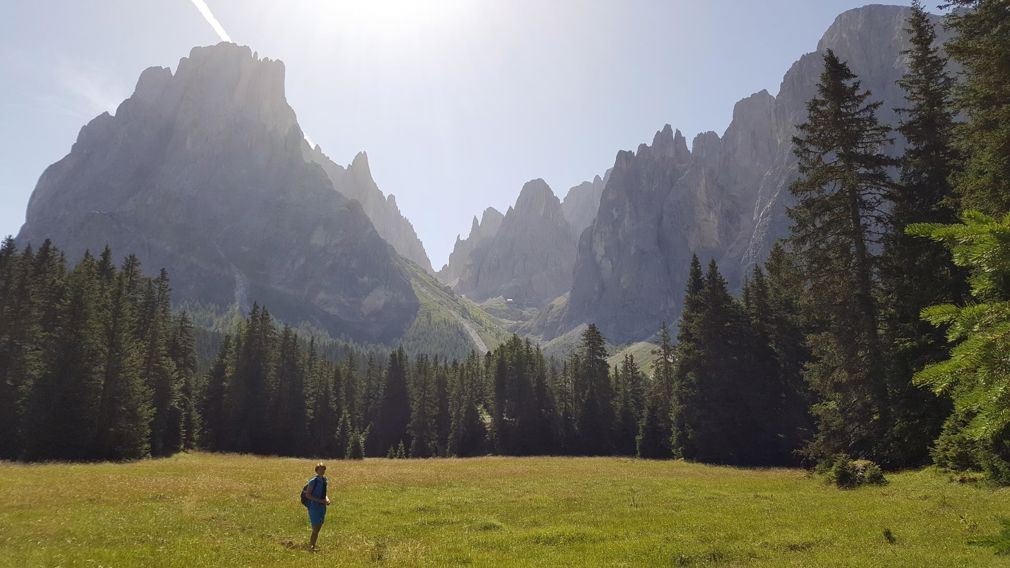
[
  {"x": 527, "y": 260},
  {"x": 583, "y": 201},
  {"x": 461, "y": 259},
  {"x": 723, "y": 199},
  {"x": 202, "y": 172},
  {"x": 355, "y": 181}
]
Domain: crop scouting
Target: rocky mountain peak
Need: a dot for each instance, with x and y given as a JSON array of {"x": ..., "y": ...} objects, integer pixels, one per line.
[
  {"x": 536, "y": 198},
  {"x": 356, "y": 182},
  {"x": 203, "y": 172}
]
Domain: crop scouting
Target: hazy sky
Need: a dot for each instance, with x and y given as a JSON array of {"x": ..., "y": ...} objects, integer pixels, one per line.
[{"x": 457, "y": 103}]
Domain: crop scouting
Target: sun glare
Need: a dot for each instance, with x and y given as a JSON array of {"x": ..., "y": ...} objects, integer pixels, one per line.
[{"x": 388, "y": 21}]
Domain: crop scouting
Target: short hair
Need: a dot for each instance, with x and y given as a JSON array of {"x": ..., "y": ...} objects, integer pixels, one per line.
[{"x": 320, "y": 465}]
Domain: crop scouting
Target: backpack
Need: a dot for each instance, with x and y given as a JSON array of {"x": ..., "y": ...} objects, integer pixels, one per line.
[{"x": 312, "y": 489}]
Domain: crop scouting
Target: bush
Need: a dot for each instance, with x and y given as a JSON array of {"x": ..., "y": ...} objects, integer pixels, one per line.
[{"x": 846, "y": 473}]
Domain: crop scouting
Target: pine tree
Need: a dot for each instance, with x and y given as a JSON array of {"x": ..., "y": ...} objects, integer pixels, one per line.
[
  {"x": 423, "y": 411},
  {"x": 596, "y": 414},
  {"x": 725, "y": 399},
  {"x": 688, "y": 356},
  {"x": 212, "y": 407},
  {"x": 656, "y": 430},
  {"x": 468, "y": 434},
  {"x": 324, "y": 420},
  {"x": 250, "y": 389},
  {"x": 22, "y": 282},
  {"x": 393, "y": 416},
  {"x": 290, "y": 410},
  {"x": 915, "y": 272},
  {"x": 772, "y": 305},
  {"x": 975, "y": 374},
  {"x": 443, "y": 420},
  {"x": 182, "y": 351},
  {"x": 158, "y": 370},
  {"x": 630, "y": 387},
  {"x": 981, "y": 44},
  {"x": 842, "y": 198},
  {"x": 124, "y": 419},
  {"x": 65, "y": 401}
]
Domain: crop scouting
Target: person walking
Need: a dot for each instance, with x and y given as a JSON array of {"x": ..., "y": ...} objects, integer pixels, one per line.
[{"x": 314, "y": 497}]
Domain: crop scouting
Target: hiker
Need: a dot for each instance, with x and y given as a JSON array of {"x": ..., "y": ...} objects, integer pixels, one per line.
[{"x": 314, "y": 497}]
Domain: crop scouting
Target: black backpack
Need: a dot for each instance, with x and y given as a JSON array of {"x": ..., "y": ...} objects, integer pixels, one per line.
[{"x": 311, "y": 489}]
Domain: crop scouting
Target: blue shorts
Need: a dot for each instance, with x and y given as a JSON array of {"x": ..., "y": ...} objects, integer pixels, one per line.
[{"x": 317, "y": 513}]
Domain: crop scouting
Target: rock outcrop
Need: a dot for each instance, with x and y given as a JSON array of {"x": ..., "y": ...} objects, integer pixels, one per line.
[
  {"x": 202, "y": 172},
  {"x": 582, "y": 202},
  {"x": 725, "y": 199},
  {"x": 462, "y": 259},
  {"x": 528, "y": 260},
  {"x": 355, "y": 181}
]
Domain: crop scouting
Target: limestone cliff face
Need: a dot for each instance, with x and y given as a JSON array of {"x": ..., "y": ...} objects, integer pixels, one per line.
[
  {"x": 582, "y": 202},
  {"x": 870, "y": 40},
  {"x": 202, "y": 172},
  {"x": 529, "y": 258},
  {"x": 355, "y": 181},
  {"x": 465, "y": 258},
  {"x": 725, "y": 199}
]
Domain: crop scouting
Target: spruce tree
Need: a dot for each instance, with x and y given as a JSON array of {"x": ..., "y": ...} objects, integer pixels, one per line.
[
  {"x": 630, "y": 387},
  {"x": 290, "y": 411},
  {"x": 124, "y": 419},
  {"x": 182, "y": 351},
  {"x": 981, "y": 44},
  {"x": 916, "y": 272},
  {"x": 213, "y": 406},
  {"x": 656, "y": 430},
  {"x": 443, "y": 419},
  {"x": 842, "y": 199},
  {"x": 423, "y": 411},
  {"x": 975, "y": 374},
  {"x": 393, "y": 414},
  {"x": 65, "y": 401},
  {"x": 596, "y": 414},
  {"x": 688, "y": 356},
  {"x": 467, "y": 434},
  {"x": 158, "y": 370}
]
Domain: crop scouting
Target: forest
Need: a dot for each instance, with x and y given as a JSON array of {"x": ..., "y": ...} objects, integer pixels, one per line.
[{"x": 877, "y": 331}]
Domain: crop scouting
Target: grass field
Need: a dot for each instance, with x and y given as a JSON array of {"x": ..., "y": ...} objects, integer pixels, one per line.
[{"x": 228, "y": 510}]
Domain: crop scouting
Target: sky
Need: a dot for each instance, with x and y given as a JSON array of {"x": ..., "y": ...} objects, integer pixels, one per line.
[{"x": 458, "y": 103}]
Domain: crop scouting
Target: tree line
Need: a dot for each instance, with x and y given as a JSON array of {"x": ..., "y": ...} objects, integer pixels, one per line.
[
  {"x": 877, "y": 330},
  {"x": 860, "y": 305},
  {"x": 93, "y": 364}
]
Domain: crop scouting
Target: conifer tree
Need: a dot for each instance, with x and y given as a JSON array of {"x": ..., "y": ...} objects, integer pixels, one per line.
[
  {"x": 65, "y": 400},
  {"x": 212, "y": 408},
  {"x": 158, "y": 370},
  {"x": 596, "y": 415},
  {"x": 124, "y": 419},
  {"x": 975, "y": 375},
  {"x": 917, "y": 272},
  {"x": 842, "y": 199},
  {"x": 981, "y": 44},
  {"x": 630, "y": 387},
  {"x": 443, "y": 420},
  {"x": 393, "y": 416},
  {"x": 656, "y": 430},
  {"x": 289, "y": 411},
  {"x": 182, "y": 351},
  {"x": 423, "y": 411},
  {"x": 468, "y": 433}
]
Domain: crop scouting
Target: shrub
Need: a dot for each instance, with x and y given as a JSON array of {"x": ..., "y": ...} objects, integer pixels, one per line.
[{"x": 846, "y": 473}]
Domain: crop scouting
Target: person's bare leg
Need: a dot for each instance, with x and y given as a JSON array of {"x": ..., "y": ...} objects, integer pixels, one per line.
[{"x": 315, "y": 535}]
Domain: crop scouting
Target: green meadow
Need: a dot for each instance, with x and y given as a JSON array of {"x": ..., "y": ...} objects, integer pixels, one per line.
[{"x": 232, "y": 510}]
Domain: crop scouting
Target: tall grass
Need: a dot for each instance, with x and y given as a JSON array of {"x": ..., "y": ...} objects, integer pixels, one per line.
[{"x": 229, "y": 510}]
